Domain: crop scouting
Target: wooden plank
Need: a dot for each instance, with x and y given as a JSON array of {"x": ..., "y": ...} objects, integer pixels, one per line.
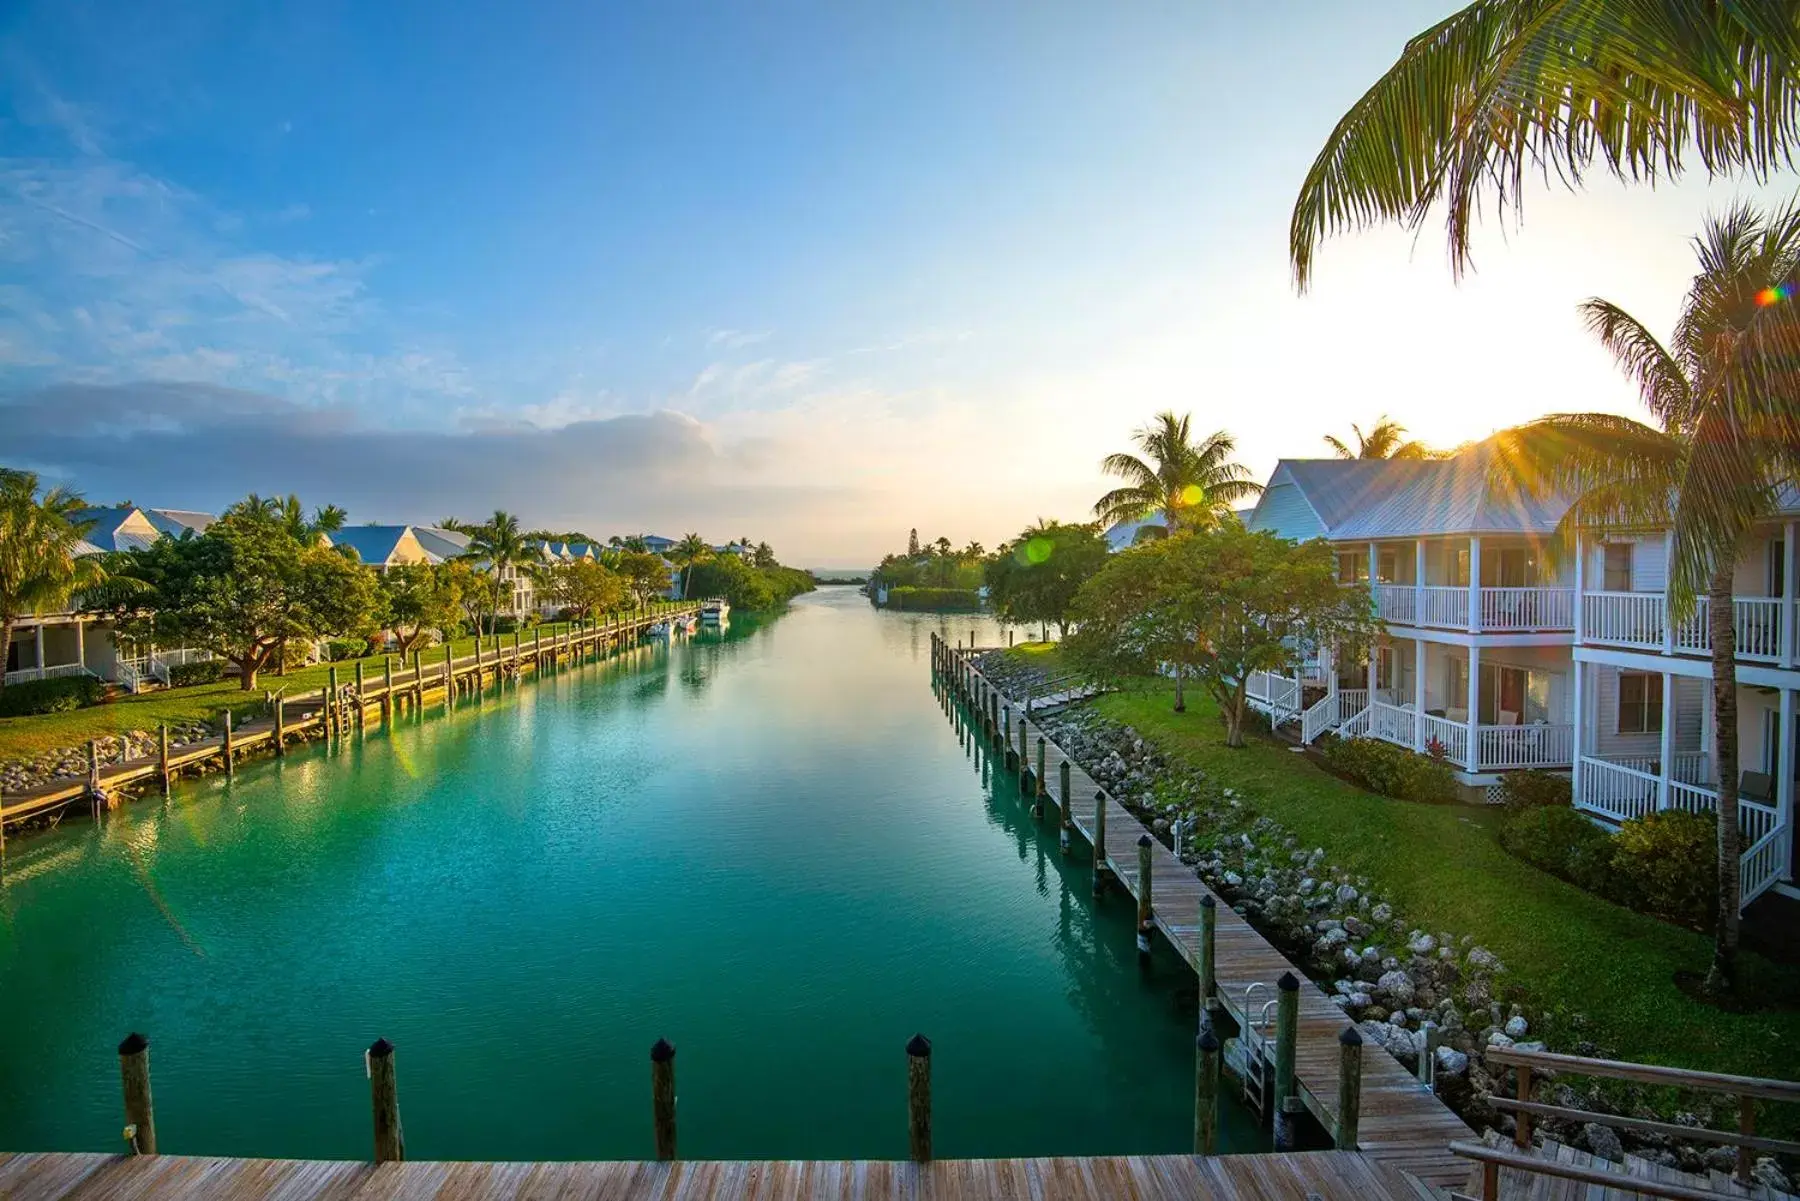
[{"x": 1644, "y": 1073}]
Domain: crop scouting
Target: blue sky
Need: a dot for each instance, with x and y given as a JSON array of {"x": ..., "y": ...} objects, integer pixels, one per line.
[{"x": 814, "y": 273}]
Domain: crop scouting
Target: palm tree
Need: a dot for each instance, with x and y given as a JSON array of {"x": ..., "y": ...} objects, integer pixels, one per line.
[
  {"x": 1192, "y": 486},
  {"x": 326, "y": 519},
  {"x": 1386, "y": 439},
  {"x": 1709, "y": 470},
  {"x": 1504, "y": 89},
  {"x": 503, "y": 545},
  {"x": 690, "y": 550},
  {"x": 39, "y": 567}
]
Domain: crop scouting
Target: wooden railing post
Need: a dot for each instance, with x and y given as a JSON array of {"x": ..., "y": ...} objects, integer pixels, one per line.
[
  {"x": 1206, "y": 1092},
  {"x": 1146, "y": 921},
  {"x": 134, "y": 1078},
  {"x": 1522, "y": 1121},
  {"x": 384, "y": 1098},
  {"x": 1350, "y": 1053},
  {"x": 1746, "y": 1126},
  {"x": 1209, "y": 930},
  {"x": 662, "y": 1097},
  {"x": 1287, "y": 1031},
  {"x": 918, "y": 1097}
]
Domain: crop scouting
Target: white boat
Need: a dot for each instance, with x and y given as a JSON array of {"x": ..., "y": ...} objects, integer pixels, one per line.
[{"x": 714, "y": 613}]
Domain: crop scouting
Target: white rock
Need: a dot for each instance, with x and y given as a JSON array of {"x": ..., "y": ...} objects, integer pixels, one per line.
[
  {"x": 1516, "y": 1027},
  {"x": 1452, "y": 1062},
  {"x": 1398, "y": 985}
]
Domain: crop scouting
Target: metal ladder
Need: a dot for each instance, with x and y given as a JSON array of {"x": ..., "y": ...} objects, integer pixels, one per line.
[{"x": 1258, "y": 1077}]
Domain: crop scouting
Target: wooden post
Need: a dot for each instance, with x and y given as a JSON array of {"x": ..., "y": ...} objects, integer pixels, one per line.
[
  {"x": 280, "y": 725},
  {"x": 1209, "y": 931},
  {"x": 1287, "y": 1031},
  {"x": 359, "y": 691},
  {"x": 1490, "y": 1181},
  {"x": 449, "y": 675},
  {"x": 384, "y": 1097},
  {"x": 918, "y": 1097},
  {"x": 387, "y": 685},
  {"x": 1350, "y": 1053},
  {"x": 1428, "y": 1056},
  {"x": 1746, "y": 1126},
  {"x": 1145, "y": 914},
  {"x": 1522, "y": 1120},
  {"x": 230, "y": 768},
  {"x": 162, "y": 756},
  {"x": 134, "y": 1077},
  {"x": 662, "y": 1097},
  {"x": 1038, "y": 791},
  {"x": 94, "y": 769},
  {"x": 1099, "y": 840},
  {"x": 1206, "y": 1092}
]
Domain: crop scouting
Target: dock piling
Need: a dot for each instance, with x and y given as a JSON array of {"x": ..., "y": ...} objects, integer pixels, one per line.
[
  {"x": 1208, "y": 966},
  {"x": 230, "y": 766},
  {"x": 387, "y": 686},
  {"x": 662, "y": 1097},
  {"x": 918, "y": 1097},
  {"x": 1100, "y": 871},
  {"x": 280, "y": 725},
  {"x": 384, "y": 1098},
  {"x": 162, "y": 756},
  {"x": 1146, "y": 921},
  {"x": 134, "y": 1079},
  {"x": 1287, "y": 1033},
  {"x": 1206, "y": 1092},
  {"x": 331, "y": 701},
  {"x": 1037, "y": 786},
  {"x": 1349, "y": 1098}
]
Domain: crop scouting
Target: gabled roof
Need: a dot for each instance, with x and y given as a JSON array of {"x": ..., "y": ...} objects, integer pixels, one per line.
[
  {"x": 1125, "y": 533},
  {"x": 441, "y": 544},
  {"x": 1361, "y": 499},
  {"x": 176, "y": 522},
  {"x": 373, "y": 544},
  {"x": 112, "y": 529}
]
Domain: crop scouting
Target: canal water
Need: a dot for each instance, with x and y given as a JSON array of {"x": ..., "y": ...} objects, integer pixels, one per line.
[{"x": 766, "y": 846}]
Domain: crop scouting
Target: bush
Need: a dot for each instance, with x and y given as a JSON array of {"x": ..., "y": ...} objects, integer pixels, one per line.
[
  {"x": 337, "y": 650},
  {"x": 58, "y": 695},
  {"x": 1391, "y": 770},
  {"x": 1667, "y": 863},
  {"x": 1564, "y": 843},
  {"x": 955, "y": 600},
  {"x": 1532, "y": 789},
  {"x": 207, "y": 671}
]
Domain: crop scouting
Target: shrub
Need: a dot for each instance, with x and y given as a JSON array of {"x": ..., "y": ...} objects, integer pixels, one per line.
[
  {"x": 58, "y": 695},
  {"x": 1531, "y": 789},
  {"x": 207, "y": 671},
  {"x": 1391, "y": 770},
  {"x": 1564, "y": 843},
  {"x": 339, "y": 649},
  {"x": 1667, "y": 863},
  {"x": 939, "y": 599}
]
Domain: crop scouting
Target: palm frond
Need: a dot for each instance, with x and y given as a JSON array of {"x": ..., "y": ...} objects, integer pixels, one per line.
[{"x": 1660, "y": 380}]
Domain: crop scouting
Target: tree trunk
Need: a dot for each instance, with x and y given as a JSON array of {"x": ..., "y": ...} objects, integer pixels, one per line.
[
  {"x": 1722, "y": 977},
  {"x": 1180, "y": 691},
  {"x": 281, "y": 662},
  {"x": 1234, "y": 718},
  {"x": 6, "y": 632}
]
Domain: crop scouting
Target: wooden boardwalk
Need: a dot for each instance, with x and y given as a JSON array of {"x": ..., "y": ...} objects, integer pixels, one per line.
[
  {"x": 1403, "y": 1124},
  {"x": 307, "y": 713},
  {"x": 1326, "y": 1175}
]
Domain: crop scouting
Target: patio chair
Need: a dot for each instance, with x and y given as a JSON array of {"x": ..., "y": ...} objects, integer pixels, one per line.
[{"x": 1459, "y": 716}]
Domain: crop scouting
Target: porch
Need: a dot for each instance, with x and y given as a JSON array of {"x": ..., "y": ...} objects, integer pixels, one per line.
[
  {"x": 1495, "y": 585},
  {"x": 50, "y": 649}
]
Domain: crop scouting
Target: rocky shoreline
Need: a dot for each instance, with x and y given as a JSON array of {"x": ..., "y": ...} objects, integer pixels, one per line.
[
  {"x": 1389, "y": 974},
  {"x": 20, "y": 775}
]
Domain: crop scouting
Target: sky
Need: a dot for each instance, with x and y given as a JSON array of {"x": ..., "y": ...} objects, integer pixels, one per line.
[{"x": 811, "y": 274}]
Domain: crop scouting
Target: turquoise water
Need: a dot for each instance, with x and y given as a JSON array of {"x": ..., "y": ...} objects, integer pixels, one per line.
[{"x": 768, "y": 847}]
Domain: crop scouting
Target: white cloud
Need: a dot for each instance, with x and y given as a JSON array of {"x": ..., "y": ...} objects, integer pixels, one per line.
[{"x": 735, "y": 339}]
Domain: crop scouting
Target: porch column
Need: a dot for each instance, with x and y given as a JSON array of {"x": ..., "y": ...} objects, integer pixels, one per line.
[
  {"x": 1474, "y": 583},
  {"x": 1418, "y": 581},
  {"x": 1576, "y": 727},
  {"x": 1473, "y": 754},
  {"x": 1374, "y": 562},
  {"x": 1784, "y": 784},
  {"x": 1790, "y": 576},
  {"x": 1668, "y": 613},
  {"x": 80, "y": 644},
  {"x": 1668, "y": 740},
  {"x": 1580, "y": 587},
  {"x": 1419, "y": 693},
  {"x": 40, "y": 648}
]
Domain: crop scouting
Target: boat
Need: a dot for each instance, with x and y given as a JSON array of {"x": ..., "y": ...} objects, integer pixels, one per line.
[{"x": 714, "y": 612}]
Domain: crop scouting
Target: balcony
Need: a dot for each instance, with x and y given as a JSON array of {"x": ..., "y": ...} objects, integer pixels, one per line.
[
  {"x": 1497, "y": 748},
  {"x": 1640, "y": 621},
  {"x": 1482, "y": 610}
]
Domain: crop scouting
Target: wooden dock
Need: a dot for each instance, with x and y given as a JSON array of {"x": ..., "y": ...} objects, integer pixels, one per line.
[
  {"x": 1326, "y": 1175},
  {"x": 1402, "y": 1124},
  {"x": 319, "y": 712}
]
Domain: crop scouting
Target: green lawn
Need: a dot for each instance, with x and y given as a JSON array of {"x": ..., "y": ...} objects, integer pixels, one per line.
[
  {"x": 25, "y": 737},
  {"x": 1047, "y": 657},
  {"x": 1441, "y": 866}
]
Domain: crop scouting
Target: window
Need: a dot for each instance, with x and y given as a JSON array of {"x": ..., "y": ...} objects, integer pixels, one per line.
[
  {"x": 1640, "y": 703},
  {"x": 1353, "y": 567},
  {"x": 1777, "y": 567},
  {"x": 1459, "y": 567},
  {"x": 1510, "y": 567},
  {"x": 1387, "y": 565},
  {"x": 1616, "y": 577}
]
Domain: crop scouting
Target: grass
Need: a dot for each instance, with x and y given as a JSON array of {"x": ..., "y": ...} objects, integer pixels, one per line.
[
  {"x": 1597, "y": 971},
  {"x": 1047, "y": 657},
  {"x": 27, "y": 737}
]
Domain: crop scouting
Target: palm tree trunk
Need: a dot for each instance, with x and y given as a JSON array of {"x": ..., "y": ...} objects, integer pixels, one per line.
[
  {"x": 6, "y": 633},
  {"x": 1721, "y": 978}
]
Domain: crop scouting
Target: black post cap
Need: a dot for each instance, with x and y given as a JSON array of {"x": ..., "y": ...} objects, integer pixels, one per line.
[
  {"x": 1287, "y": 983},
  {"x": 1208, "y": 1041},
  {"x": 381, "y": 1048},
  {"x": 1207, "y": 902},
  {"x": 134, "y": 1044},
  {"x": 1350, "y": 1038},
  {"x": 662, "y": 1052},
  {"x": 1143, "y": 840},
  {"x": 919, "y": 1047}
]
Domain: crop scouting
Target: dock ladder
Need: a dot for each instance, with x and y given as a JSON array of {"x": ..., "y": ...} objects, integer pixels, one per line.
[{"x": 1258, "y": 1075}]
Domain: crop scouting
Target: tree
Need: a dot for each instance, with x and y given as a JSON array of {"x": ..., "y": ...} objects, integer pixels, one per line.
[
  {"x": 1035, "y": 577},
  {"x": 421, "y": 597},
  {"x": 585, "y": 588},
  {"x": 246, "y": 586},
  {"x": 1386, "y": 439},
  {"x": 645, "y": 574},
  {"x": 40, "y": 570},
  {"x": 1728, "y": 409},
  {"x": 326, "y": 519},
  {"x": 763, "y": 556},
  {"x": 912, "y": 544},
  {"x": 1509, "y": 87},
  {"x": 1216, "y": 605},
  {"x": 684, "y": 554},
  {"x": 478, "y": 592},
  {"x": 508, "y": 553},
  {"x": 1191, "y": 486}
]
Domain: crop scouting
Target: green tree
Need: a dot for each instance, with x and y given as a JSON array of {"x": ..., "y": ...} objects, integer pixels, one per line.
[
  {"x": 40, "y": 570},
  {"x": 1726, "y": 444},
  {"x": 1034, "y": 578},
  {"x": 1193, "y": 486},
  {"x": 690, "y": 550},
  {"x": 1386, "y": 439},
  {"x": 326, "y": 519},
  {"x": 1504, "y": 89},
  {"x": 585, "y": 588},
  {"x": 501, "y": 544},
  {"x": 421, "y": 597},
  {"x": 763, "y": 555},
  {"x": 1214, "y": 606},
  {"x": 645, "y": 574}
]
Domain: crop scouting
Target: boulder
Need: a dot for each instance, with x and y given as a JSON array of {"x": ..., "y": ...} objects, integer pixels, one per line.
[
  {"x": 1397, "y": 985},
  {"x": 1603, "y": 1142},
  {"x": 1517, "y": 1027},
  {"x": 1451, "y": 1062}
]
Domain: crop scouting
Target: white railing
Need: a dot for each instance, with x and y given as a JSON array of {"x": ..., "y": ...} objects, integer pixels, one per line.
[
  {"x": 1623, "y": 618},
  {"x": 54, "y": 672},
  {"x": 1763, "y": 864},
  {"x": 1351, "y": 701},
  {"x": 1757, "y": 621},
  {"x": 1503, "y": 747},
  {"x": 1318, "y": 718},
  {"x": 1640, "y": 619},
  {"x": 132, "y": 672},
  {"x": 1312, "y": 671},
  {"x": 1615, "y": 791},
  {"x": 1279, "y": 696},
  {"x": 1398, "y": 603},
  {"x": 1452, "y": 736},
  {"x": 1391, "y": 723},
  {"x": 1444, "y": 606},
  {"x": 1532, "y": 608},
  {"x": 1356, "y": 725},
  {"x": 162, "y": 661}
]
